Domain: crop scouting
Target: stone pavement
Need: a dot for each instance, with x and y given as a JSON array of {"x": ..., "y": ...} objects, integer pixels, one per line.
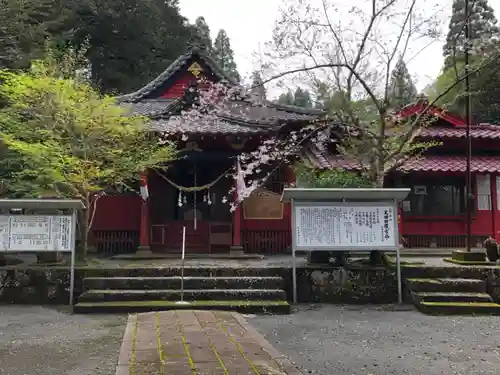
[{"x": 197, "y": 343}]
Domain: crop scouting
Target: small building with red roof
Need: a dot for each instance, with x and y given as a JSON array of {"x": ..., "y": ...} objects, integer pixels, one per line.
[{"x": 434, "y": 214}]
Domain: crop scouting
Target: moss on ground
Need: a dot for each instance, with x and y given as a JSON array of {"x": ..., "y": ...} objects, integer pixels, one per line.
[
  {"x": 163, "y": 303},
  {"x": 462, "y": 304},
  {"x": 469, "y": 262}
]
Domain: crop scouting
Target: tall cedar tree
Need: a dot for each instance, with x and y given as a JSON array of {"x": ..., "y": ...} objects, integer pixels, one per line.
[
  {"x": 485, "y": 34},
  {"x": 483, "y": 30},
  {"x": 302, "y": 98},
  {"x": 202, "y": 37},
  {"x": 258, "y": 88},
  {"x": 26, "y": 26},
  {"x": 131, "y": 41},
  {"x": 402, "y": 89},
  {"x": 224, "y": 55}
]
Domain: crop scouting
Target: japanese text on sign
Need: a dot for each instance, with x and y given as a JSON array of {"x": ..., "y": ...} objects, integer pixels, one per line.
[
  {"x": 345, "y": 227},
  {"x": 35, "y": 233}
]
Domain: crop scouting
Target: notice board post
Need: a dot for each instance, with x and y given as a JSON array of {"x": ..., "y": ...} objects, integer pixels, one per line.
[
  {"x": 38, "y": 231},
  {"x": 345, "y": 220}
]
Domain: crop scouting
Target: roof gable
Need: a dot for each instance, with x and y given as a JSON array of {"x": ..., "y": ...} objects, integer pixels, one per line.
[
  {"x": 423, "y": 105},
  {"x": 188, "y": 67}
]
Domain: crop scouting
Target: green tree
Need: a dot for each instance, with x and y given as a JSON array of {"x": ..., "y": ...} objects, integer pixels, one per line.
[
  {"x": 224, "y": 55},
  {"x": 257, "y": 87},
  {"x": 131, "y": 41},
  {"x": 203, "y": 37},
  {"x": 302, "y": 98},
  {"x": 483, "y": 30},
  {"x": 308, "y": 177},
  {"x": 25, "y": 27},
  {"x": 402, "y": 90},
  {"x": 64, "y": 139},
  {"x": 286, "y": 98}
]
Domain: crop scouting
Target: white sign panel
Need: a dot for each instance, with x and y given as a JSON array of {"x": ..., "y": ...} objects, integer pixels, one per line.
[
  {"x": 346, "y": 227},
  {"x": 36, "y": 232}
]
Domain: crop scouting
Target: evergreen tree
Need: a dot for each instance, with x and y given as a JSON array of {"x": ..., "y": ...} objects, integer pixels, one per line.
[
  {"x": 224, "y": 55},
  {"x": 302, "y": 98},
  {"x": 402, "y": 90},
  {"x": 25, "y": 28},
  {"x": 203, "y": 33},
  {"x": 131, "y": 41},
  {"x": 483, "y": 30},
  {"x": 257, "y": 87},
  {"x": 286, "y": 98}
]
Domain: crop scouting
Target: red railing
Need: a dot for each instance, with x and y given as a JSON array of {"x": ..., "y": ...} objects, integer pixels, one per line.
[
  {"x": 422, "y": 241},
  {"x": 266, "y": 241},
  {"x": 115, "y": 241}
]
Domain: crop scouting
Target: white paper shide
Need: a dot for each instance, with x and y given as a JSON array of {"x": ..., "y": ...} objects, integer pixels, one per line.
[
  {"x": 344, "y": 227},
  {"x": 36, "y": 232}
]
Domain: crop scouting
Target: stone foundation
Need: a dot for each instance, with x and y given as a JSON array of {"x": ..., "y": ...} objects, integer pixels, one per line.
[
  {"x": 315, "y": 284},
  {"x": 346, "y": 285}
]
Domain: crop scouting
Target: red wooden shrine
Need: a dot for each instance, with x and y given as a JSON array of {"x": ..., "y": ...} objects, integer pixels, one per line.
[
  {"x": 191, "y": 191},
  {"x": 434, "y": 214}
]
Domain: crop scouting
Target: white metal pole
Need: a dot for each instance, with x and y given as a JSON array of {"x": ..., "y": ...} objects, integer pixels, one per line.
[
  {"x": 73, "y": 259},
  {"x": 294, "y": 260},
  {"x": 182, "y": 262}
]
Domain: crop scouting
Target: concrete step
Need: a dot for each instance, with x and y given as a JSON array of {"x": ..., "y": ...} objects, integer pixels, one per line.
[
  {"x": 451, "y": 297},
  {"x": 268, "y": 307},
  {"x": 174, "y": 282},
  {"x": 446, "y": 285},
  {"x": 459, "y": 308},
  {"x": 154, "y": 270},
  {"x": 108, "y": 295}
]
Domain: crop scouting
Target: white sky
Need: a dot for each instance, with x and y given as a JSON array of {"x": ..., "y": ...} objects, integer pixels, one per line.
[{"x": 249, "y": 25}]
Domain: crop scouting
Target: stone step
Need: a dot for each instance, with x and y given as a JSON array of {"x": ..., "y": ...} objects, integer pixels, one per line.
[
  {"x": 108, "y": 295},
  {"x": 451, "y": 297},
  {"x": 446, "y": 285},
  {"x": 268, "y": 307},
  {"x": 459, "y": 308},
  {"x": 153, "y": 270},
  {"x": 190, "y": 282}
]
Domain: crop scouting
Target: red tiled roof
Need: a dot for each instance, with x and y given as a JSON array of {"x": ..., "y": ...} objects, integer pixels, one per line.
[
  {"x": 434, "y": 163},
  {"x": 480, "y": 164},
  {"x": 482, "y": 131}
]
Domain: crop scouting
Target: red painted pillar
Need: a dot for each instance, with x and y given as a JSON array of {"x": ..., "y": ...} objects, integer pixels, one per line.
[
  {"x": 494, "y": 200},
  {"x": 144, "y": 245}
]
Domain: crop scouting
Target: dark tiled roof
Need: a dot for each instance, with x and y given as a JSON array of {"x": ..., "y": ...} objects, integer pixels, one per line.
[
  {"x": 482, "y": 131},
  {"x": 150, "y": 107},
  {"x": 174, "y": 68},
  {"x": 214, "y": 126}
]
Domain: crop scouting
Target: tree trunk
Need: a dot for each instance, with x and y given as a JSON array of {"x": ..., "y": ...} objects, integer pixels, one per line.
[{"x": 84, "y": 217}]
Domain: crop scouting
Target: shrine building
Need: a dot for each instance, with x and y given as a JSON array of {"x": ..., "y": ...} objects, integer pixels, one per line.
[
  {"x": 192, "y": 191},
  {"x": 434, "y": 214}
]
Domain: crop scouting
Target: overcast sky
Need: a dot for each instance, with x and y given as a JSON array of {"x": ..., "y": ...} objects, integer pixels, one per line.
[{"x": 249, "y": 25}]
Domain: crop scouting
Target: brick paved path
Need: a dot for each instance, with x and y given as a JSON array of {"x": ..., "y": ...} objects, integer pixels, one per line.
[{"x": 197, "y": 343}]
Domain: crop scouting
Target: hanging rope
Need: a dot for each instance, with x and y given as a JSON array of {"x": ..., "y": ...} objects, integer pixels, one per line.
[{"x": 192, "y": 189}]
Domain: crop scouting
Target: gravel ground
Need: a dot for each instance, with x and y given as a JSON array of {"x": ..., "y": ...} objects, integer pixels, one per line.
[
  {"x": 44, "y": 341},
  {"x": 364, "y": 340}
]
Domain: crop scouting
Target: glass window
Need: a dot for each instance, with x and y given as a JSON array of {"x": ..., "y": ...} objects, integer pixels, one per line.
[{"x": 435, "y": 199}]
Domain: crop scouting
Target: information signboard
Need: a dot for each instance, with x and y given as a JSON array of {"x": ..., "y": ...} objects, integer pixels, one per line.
[
  {"x": 331, "y": 226},
  {"x": 36, "y": 233}
]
